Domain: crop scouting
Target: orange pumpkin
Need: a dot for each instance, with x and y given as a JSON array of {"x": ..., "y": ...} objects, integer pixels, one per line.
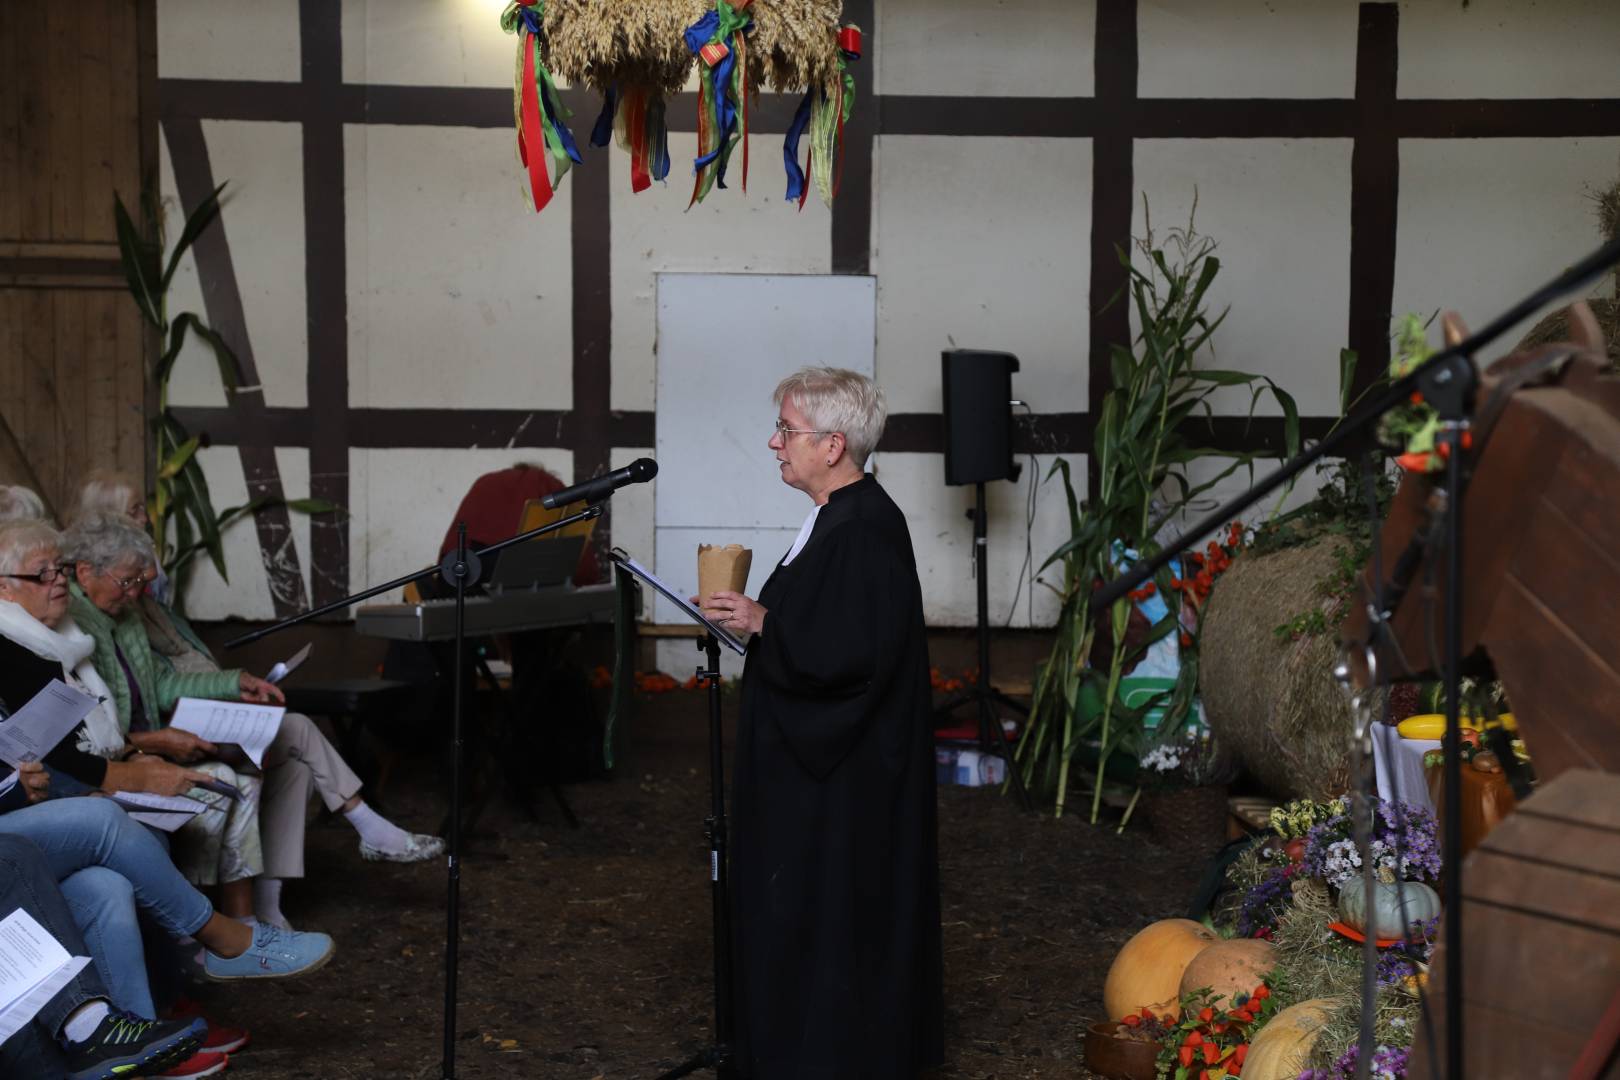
[
  {"x": 1229, "y": 968},
  {"x": 1147, "y": 972}
]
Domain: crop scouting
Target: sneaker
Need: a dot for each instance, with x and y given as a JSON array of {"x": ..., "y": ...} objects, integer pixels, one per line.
[
  {"x": 125, "y": 1045},
  {"x": 418, "y": 847},
  {"x": 223, "y": 1040},
  {"x": 198, "y": 1064},
  {"x": 274, "y": 954}
]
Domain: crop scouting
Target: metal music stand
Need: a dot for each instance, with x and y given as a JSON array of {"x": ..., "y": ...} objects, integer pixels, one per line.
[
  {"x": 1447, "y": 381},
  {"x": 718, "y": 1056},
  {"x": 458, "y": 568}
]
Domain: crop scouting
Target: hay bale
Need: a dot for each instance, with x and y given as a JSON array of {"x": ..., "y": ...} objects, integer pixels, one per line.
[
  {"x": 1274, "y": 703},
  {"x": 794, "y": 45},
  {"x": 1555, "y": 327},
  {"x": 601, "y": 43}
]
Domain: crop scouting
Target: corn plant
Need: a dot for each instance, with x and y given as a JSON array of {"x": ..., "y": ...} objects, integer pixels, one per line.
[
  {"x": 1148, "y": 435},
  {"x": 184, "y": 522}
]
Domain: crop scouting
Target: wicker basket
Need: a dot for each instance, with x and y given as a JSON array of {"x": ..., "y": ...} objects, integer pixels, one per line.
[{"x": 1190, "y": 822}]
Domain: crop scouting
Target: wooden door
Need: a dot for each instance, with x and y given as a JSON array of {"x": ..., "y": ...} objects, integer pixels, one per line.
[{"x": 78, "y": 122}]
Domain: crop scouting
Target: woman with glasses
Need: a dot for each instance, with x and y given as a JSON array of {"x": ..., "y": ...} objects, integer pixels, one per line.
[
  {"x": 112, "y": 565},
  {"x": 834, "y": 866},
  {"x": 106, "y": 863}
]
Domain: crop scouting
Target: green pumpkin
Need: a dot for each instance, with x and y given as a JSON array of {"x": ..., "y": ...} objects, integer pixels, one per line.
[{"x": 1386, "y": 920}]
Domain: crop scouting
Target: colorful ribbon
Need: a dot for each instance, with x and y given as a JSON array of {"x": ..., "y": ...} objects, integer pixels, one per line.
[
  {"x": 823, "y": 112},
  {"x": 720, "y": 41},
  {"x": 537, "y": 110},
  {"x": 636, "y": 118}
]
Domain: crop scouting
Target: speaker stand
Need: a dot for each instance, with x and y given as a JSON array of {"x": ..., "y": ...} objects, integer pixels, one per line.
[{"x": 983, "y": 693}]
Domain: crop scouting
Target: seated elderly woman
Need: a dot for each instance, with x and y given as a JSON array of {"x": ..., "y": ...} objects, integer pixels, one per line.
[
  {"x": 113, "y": 559},
  {"x": 20, "y": 504},
  {"x": 39, "y": 642}
]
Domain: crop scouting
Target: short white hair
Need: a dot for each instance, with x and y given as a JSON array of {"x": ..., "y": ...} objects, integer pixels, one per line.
[
  {"x": 23, "y": 539},
  {"x": 18, "y": 503},
  {"x": 107, "y": 491},
  {"x": 837, "y": 399},
  {"x": 105, "y": 541}
]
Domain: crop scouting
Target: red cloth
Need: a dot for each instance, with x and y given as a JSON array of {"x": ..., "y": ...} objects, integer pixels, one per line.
[{"x": 493, "y": 509}]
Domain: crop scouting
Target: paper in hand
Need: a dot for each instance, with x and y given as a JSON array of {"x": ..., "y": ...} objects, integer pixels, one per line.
[
  {"x": 252, "y": 727},
  {"x": 34, "y": 730},
  {"x": 33, "y": 969},
  {"x": 166, "y": 812},
  {"x": 286, "y": 667}
]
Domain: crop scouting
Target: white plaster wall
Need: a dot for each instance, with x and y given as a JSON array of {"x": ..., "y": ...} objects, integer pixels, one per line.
[
  {"x": 757, "y": 232},
  {"x": 1509, "y": 49},
  {"x": 247, "y": 593},
  {"x": 1247, "y": 48},
  {"x": 459, "y": 296},
  {"x": 1483, "y": 223},
  {"x": 228, "y": 39},
  {"x": 982, "y": 243},
  {"x": 1018, "y": 48},
  {"x": 1279, "y": 211},
  {"x": 263, "y": 208},
  {"x": 426, "y": 43}
]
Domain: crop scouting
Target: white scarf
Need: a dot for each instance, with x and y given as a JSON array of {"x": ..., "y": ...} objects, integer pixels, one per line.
[{"x": 70, "y": 647}]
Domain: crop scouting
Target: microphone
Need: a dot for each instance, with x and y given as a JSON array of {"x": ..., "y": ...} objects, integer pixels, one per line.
[{"x": 598, "y": 488}]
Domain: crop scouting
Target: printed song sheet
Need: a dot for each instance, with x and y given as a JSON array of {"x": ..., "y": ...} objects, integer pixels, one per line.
[
  {"x": 34, "y": 730},
  {"x": 166, "y": 812},
  {"x": 252, "y": 727},
  {"x": 33, "y": 969}
]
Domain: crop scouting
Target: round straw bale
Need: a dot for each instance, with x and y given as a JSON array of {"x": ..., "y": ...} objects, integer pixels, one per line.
[{"x": 1273, "y": 701}]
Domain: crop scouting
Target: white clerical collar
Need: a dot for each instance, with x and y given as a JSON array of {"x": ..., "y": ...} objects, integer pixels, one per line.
[{"x": 804, "y": 535}]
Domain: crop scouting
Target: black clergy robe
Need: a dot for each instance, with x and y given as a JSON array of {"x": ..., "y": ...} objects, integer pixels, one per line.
[{"x": 835, "y": 868}]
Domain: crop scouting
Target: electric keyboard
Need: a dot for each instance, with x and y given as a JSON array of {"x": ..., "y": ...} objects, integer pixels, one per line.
[{"x": 506, "y": 611}]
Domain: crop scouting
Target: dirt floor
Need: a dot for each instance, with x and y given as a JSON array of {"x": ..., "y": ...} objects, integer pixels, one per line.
[{"x": 586, "y": 952}]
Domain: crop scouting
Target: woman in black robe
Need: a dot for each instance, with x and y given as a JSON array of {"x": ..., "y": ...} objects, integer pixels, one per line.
[{"x": 834, "y": 862}]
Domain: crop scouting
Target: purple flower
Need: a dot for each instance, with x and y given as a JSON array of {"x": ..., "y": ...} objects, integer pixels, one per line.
[{"x": 1388, "y": 1063}]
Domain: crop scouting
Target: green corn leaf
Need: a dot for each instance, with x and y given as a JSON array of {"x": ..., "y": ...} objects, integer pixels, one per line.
[
  {"x": 314, "y": 506},
  {"x": 140, "y": 268},
  {"x": 1348, "y": 359},
  {"x": 223, "y": 354},
  {"x": 200, "y": 219},
  {"x": 176, "y": 461}
]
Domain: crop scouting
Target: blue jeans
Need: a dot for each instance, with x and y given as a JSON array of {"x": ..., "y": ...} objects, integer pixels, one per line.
[
  {"x": 83, "y": 832},
  {"x": 103, "y": 906},
  {"x": 27, "y": 882}
]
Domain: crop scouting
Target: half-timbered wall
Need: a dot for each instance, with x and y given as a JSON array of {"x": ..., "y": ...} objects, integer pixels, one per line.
[{"x": 405, "y": 324}]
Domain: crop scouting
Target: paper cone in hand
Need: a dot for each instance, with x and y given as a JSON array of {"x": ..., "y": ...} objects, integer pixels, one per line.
[{"x": 723, "y": 568}]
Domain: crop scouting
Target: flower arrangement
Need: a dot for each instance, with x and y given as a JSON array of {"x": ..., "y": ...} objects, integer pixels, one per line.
[
  {"x": 1388, "y": 1063},
  {"x": 1265, "y": 901},
  {"x": 1211, "y": 1044},
  {"x": 1404, "y": 844},
  {"x": 1192, "y": 759},
  {"x": 1295, "y": 820}
]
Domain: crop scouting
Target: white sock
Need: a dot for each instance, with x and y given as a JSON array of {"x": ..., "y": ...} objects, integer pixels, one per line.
[
  {"x": 81, "y": 1022},
  {"x": 377, "y": 830},
  {"x": 267, "y": 901}
]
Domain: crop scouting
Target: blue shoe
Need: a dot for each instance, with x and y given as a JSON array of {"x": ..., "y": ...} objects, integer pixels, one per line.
[
  {"x": 125, "y": 1045},
  {"x": 274, "y": 954}
]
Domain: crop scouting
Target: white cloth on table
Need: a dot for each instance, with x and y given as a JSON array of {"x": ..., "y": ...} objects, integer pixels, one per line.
[{"x": 1399, "y": 765}]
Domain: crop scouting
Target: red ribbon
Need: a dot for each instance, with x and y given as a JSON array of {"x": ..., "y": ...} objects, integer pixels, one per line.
[
  {"x": 531, "y": 140},
  {"x": 635, "y": 125},
  {"x": 809, "y": 160},
  {"x": 849, "y": 41}
]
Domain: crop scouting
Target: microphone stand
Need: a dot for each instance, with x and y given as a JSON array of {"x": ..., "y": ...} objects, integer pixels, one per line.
[
  {"x": 457, "y": 568},
  {"x": 1446, "y": 381}
]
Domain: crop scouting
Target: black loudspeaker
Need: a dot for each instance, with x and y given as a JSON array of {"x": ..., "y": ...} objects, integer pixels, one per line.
[{"x": 978, "y": 415}]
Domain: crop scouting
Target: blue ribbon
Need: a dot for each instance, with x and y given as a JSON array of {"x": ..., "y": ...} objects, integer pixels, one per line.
[
  {"x": 602, "y": 133},
  {"x": 554, "y": 114},
  {"x": 698, "y": 35},
  {"x": 658, "y": 153},
  {"x": 790, "y": 148},
  {"x": 531, "y": 17}
]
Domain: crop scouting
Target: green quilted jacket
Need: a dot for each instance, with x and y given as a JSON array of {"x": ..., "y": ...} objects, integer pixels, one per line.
[{"x": 161, "y": 686}]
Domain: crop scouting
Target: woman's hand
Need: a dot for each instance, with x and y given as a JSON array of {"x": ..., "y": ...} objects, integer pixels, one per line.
[
  {"x": 35, "y": 781},
  {"x": 174, "y": 744},
  {"x": 260, "y": 692},
  {"x": 162, "y": 778},
  {"x": 733, "y": 612}
]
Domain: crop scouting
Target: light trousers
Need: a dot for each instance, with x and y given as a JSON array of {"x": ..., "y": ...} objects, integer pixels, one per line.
[{"x": 299, "y": 762}]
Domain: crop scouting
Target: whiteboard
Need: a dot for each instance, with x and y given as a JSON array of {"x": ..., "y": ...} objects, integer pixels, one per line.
[{"x": 724, "y": 342}]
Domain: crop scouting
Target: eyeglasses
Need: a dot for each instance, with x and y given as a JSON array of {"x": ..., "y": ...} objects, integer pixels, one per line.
[
  {"x": 783, "y": 430},
  {"x": 45, "y": 576},
  {"x": 126, "y": 584}
]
